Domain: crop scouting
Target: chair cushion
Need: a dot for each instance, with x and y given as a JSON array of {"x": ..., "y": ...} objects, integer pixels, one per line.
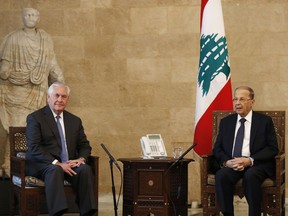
[
  {"x": 30, "y": 181},
  {"x": 267, "y": 182},
  {"x": 21, "y": 154}
]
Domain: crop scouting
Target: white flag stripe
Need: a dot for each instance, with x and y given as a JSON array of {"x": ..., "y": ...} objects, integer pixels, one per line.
[
  {"x": 213, "y": 18},
  {"x": 203, "y": 102}
]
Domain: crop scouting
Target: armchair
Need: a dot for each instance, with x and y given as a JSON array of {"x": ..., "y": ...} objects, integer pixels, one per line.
[
  {"x": 26, "y": 191},
  {"x": 273, "y": 202}
]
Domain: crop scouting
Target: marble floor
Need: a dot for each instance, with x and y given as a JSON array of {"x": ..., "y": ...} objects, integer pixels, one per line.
[{"x": 106, "y": 208}]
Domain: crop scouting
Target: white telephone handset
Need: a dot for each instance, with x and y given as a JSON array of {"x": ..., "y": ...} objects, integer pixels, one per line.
[{"x": 153, "y": 146}]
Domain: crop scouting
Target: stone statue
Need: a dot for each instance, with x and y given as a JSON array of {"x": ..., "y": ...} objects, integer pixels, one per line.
[{"x": 27, "y": 66}]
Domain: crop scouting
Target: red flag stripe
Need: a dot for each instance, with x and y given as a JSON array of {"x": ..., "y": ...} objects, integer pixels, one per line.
[
  {"x": 203, "y": 131},
  {"x": 203, "y": 4}
]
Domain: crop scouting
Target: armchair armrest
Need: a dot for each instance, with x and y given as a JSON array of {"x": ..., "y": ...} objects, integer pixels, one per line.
[
  {"x": 210, "y": 164},
  {"x": 205, "y": 161},
  {"x": 280, "y": 169},
  {"x": 18, "y": 168},
  {"x": 93, "y": 161}
]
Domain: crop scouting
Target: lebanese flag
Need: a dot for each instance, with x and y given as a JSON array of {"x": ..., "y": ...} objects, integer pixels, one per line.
[{"x": 214, "y": 90}]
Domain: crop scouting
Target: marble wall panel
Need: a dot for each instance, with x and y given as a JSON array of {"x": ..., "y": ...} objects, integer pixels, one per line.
[
  {"x": 111, "y": 21},
  {"x": 149, "y": 20},
  {"x": 134, "y": 3},
  {"x": 149, "y": 70},
  {"x": 52, "y": 21},
  {"x": 283, "y": 65},
  {"x": 180, "y": 19},
  {"x": 9, "y": 22},
  {"x": 79, "y": 22},
  {"x": 180, "y": 45},
  {"x": 136, "y": 46},
  {"x": 101, "y": 47},
  {"x": 96, "y": 3},
  {"x": 184, "y": 69},
  {"x": 69, "y": 46},
  {"x": 110, "y": 70}
]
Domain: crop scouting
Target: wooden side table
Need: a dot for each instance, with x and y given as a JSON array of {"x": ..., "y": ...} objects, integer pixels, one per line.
[{"x": 153, "y": 187}]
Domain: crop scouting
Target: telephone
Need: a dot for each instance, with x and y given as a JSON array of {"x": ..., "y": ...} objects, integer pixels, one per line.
[{"x": 153, "y": 146}]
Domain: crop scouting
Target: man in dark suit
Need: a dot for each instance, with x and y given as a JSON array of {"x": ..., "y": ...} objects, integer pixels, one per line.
[
  {"x": 58, "y": 151},
  {"x": 254, "y": 159}
]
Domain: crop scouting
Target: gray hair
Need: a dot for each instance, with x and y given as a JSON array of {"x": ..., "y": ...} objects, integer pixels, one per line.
[
  {"x": 58, "y": 84},
  {"x": 251, "y": 91}
]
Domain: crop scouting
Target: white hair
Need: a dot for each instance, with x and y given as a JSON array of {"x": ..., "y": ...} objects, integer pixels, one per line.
[{"x": 58, "y": 84}]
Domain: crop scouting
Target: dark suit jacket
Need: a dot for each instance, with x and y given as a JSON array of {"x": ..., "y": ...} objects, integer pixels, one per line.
[
  {"x": 44, "y": 143},
  {"x": 263, "y": 141}
]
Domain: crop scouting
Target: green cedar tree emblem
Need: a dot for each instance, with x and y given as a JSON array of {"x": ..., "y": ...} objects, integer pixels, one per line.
[{"x": 213, "y": 60}]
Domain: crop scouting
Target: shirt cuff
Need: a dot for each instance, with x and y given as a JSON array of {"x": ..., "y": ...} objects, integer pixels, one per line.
[
  {"x": 54, "y": 162},
  {"x": 82, "y": 158}
]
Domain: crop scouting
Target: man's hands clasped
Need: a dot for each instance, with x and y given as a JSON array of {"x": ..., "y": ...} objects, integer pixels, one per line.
[
  {"x": 238, "y": 164},
  {"x": 69, "y": 165}
]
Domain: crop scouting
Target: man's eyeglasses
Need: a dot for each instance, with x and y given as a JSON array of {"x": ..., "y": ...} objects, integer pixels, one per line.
[{"x": 241, "y": 100}]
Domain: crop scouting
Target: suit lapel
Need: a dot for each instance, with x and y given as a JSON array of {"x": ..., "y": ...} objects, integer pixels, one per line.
[
  {"x": 67, "y": 122},
  {"x": 254, "y": 127}
]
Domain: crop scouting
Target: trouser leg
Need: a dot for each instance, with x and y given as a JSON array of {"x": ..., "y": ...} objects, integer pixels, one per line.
[
  {"x": 252, "y": 181},
  {"x": 54, "y": 189},
  {"x": 225, "y": 181},
  {"x": 83, "y": 185}
]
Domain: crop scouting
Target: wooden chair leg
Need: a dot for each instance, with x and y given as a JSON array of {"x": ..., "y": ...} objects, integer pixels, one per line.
[
  {"x": 210, "y": 205},
  {"x": 29, "y": 203},
  {"x": 283, "y": 204}
]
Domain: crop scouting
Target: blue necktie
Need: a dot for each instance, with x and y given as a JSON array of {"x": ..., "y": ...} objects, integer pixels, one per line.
[
  {"x": 239, "y": 139},
  {"x": 64, "y": 156}
]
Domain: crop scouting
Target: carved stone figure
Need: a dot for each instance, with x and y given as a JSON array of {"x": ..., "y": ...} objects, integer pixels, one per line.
[{"x": 27, "y": 66}]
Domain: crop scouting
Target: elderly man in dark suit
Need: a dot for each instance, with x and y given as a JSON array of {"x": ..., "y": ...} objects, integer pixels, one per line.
[
  {"x": 245, "y": 148},
  {"x": 57, "y": 150}
]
